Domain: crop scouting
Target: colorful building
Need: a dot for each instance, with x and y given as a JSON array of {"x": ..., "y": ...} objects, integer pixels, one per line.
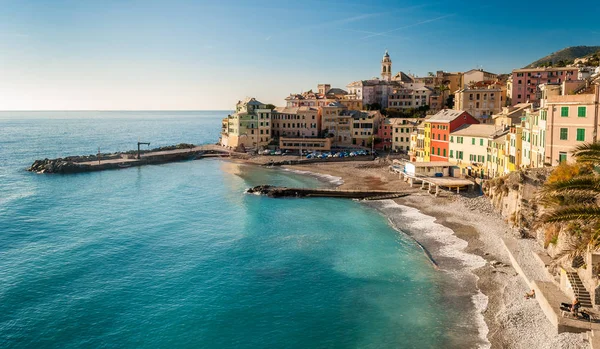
[
  {"x": 295, "y": 122},
  {"x": 511, "y": 115},
  {"x": 571, "y": 120},
  {"x": 402, "y": 129},
  {"x": 364, "y": 126},
  {"x": 305, "y": 144},
  {"x": 474, "y": 76},
  {"x": 481, "y": 100},
  {"x": 469, "y": 147},
  {"x": 410, "y": 96},
  {"x": 497, "y": 155},
  {"x": 249, "y": 127},
  {"x": 441, "y": 125},
  {"x": 385, "y": 132},
  {"x": 336, "y": 123},
  {"x": 515, "y": 148},
  {"x": 525, "y": 82}
]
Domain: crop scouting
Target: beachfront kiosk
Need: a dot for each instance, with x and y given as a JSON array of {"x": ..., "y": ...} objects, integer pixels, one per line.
[{"x": 433, "y": 175}]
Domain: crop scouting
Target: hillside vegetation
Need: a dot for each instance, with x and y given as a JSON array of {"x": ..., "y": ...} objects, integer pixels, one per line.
[{"x": 565, "y": 56}]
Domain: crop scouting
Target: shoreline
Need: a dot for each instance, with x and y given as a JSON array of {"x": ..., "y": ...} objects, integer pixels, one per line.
[{"x": 504, "y": 317}]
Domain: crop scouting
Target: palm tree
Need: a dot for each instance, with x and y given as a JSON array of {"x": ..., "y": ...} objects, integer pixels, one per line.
[
  {"x": 442, "y": 88},
  {"x": 574, "y": 200}
]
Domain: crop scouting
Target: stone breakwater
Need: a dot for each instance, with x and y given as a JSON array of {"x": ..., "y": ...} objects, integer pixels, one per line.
[
  {"x": 78, "y": 164},
  {"x": 280, "y": 192}
]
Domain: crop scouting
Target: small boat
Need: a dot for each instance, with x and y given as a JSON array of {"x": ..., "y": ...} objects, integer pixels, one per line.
[{"x": 124, "y": 165}]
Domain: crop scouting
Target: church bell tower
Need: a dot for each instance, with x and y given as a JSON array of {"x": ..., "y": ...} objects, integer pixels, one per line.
[{"x": 386, "y": 67}]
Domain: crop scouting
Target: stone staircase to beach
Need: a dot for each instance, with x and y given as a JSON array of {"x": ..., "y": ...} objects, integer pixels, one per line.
[{"x": 579, "y": 289}]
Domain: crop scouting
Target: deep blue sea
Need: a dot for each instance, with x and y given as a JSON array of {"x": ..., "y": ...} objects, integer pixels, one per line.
[{"x": 177, "y": 256}]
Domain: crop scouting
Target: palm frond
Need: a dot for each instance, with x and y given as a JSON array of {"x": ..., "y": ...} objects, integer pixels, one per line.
[
  {"x": 579, "y": 183},
  {"x": 587, "y": 152},
  {"x": 573, "y": 213}
]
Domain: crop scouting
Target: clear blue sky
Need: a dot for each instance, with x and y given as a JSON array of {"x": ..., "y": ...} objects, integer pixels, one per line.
[{"x": 144, "y": 54}]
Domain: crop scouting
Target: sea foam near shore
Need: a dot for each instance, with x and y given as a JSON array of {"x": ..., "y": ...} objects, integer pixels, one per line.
[
  {"x": 447, "y": 251},
  {"x": 333, "y": 180}
]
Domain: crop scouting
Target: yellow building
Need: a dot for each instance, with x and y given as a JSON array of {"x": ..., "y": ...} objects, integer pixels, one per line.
[
  {"x": 515, "y": 148},
  {"x": 426, "y": 155},
  {"x": 336, "y": 123},
  {"x": 364, "y": 126},
  {"x": 497, "y": 154}
]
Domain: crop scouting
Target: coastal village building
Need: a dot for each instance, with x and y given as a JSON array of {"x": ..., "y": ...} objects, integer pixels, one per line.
[
  {"x": 437, "y": 101},
  {"x": 474, "y": 76},
  {"x": 515, "y": 148},
  {"x": 469, "y": 148},
  {"x": 385, "y": 134},
  {"x": 296, "y": 122},
  {"x": 453, "y": 81},
  {"x": 438, "y": 128},
  {"x": 525, "y": 82},
  {"x": 571, "y": 120},
  {"x": 511, "y": 115},
  {"x": 417, "y": 144},
  {"x": 249, "y": 127},
  {"x": 402, "y": 129},
  {"x": 427, "y": 140},
  {"x": 336, "y": 123},
  {"x": 533, "y": 135},
  {"x": 481, "y": 100},
  {"x": 411, "y": 95},
  {"x": 351, "y": 102},
  {"x": 304, "y": 144},
  {"x": 377, "y": 90},
  {"x": 496, "y": 159},
  {"x": 364, "y": 126},
  {"x": 394, "y": 134}
]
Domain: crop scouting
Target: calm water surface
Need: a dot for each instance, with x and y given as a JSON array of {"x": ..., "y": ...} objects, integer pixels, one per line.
[{"x": 177, "y": 255}]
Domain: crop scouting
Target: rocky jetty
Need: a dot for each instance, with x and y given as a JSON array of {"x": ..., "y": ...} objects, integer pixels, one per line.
[
  {"x": 280, "y": 192},
  {"x": 100, "y": 162},
  {"x": 57, "y": 166}
]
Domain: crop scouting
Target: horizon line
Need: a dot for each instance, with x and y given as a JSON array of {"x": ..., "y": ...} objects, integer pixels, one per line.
[{"x": 107, "y": 110}]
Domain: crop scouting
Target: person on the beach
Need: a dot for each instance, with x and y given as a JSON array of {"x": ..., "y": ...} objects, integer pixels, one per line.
[
  {"x": 575, "y": 306},
  {"x": 530, "y": 294}
]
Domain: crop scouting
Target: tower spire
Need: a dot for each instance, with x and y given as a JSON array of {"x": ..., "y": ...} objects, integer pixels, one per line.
[{"x": 386, "y": 67}]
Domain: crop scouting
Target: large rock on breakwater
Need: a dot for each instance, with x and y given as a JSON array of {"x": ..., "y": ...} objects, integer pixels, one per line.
[{"x": 56, "y": 166}]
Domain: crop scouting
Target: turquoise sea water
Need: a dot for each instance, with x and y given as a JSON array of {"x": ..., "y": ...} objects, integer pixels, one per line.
[{"x": 176, "y": 255}]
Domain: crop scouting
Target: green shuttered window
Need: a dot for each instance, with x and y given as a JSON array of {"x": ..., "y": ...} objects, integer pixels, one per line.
[{"x": 564, "y": 134}]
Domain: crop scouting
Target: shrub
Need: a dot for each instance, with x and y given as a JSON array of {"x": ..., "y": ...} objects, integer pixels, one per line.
[{"x": 566, "y": 171}]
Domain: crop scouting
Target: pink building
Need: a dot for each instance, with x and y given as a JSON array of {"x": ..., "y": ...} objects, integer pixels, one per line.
[
  {"x": 385, "y": 134},
  {"x": 525, "y": 82},
  {"x": 571, "y": 120}
]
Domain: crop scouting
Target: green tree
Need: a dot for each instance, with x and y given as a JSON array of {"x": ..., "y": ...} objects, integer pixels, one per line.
[
  {"x": 450, "y": 102},
  {"x": 373, "y": 106}
]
